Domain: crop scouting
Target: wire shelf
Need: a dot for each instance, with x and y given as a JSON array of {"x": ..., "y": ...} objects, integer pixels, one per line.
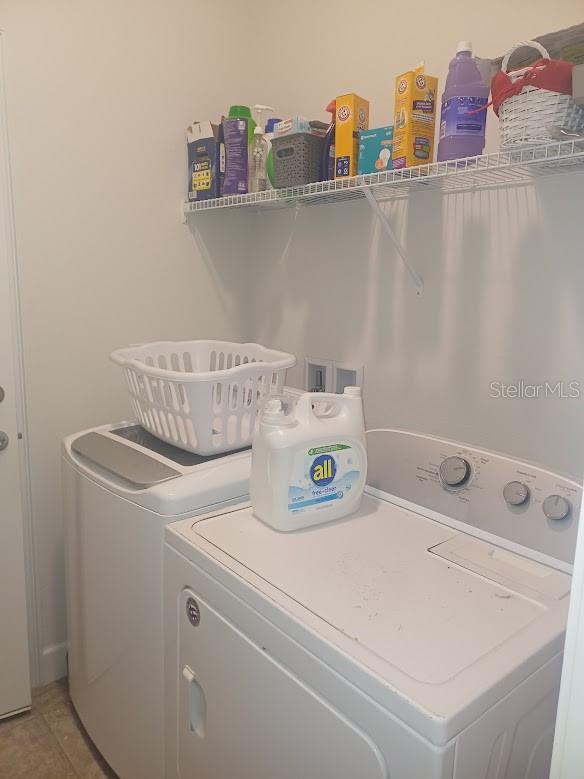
[{"x": 502, "y": 168}]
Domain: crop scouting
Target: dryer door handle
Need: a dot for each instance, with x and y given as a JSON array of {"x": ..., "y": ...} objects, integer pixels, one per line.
[{"x": 196, "y": 703}]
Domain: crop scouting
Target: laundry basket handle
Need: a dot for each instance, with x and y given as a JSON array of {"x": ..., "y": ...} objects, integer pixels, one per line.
[{"x": 528, "y": 44}]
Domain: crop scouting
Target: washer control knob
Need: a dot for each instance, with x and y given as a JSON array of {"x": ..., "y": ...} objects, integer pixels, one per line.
[
  {"x": 556, "y": 507},
  {"x": 193, "y": 612},
  {"x": 516, "y": 493},
  {"x": 454, "y": 471}
]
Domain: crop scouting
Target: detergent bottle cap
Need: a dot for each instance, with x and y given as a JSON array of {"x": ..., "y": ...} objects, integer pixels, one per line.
[
  {"x": 464, "y": 46},
  {"x": 239, "y": 112},
  {"x": 354, "y": 392},
  {"x": 277, "y": 411}
]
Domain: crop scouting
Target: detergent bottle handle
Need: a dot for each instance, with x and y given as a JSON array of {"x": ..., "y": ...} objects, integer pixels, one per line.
[{"x": 339, "y": 403}]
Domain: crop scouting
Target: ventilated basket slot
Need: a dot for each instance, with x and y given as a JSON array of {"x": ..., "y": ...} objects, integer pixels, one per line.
[
  {"x": 217, "y": 396},
  {"x": 234, "y": 395},
  {"x": 145, "y": 388},
  {"x": 156, "y": 391},
  {"x": 171, "y": 426},
  {"x": 183, "y": 398},
  {"x": 249, "y": 388}
]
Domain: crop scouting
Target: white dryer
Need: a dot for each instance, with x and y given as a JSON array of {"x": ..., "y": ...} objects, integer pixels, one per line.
[
  {"x": 420, "y": 638},
  {"x": 121, "y": 487}
]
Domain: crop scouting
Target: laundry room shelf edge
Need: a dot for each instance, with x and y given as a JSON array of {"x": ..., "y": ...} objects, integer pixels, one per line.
[{"x": 502, "y": 168}]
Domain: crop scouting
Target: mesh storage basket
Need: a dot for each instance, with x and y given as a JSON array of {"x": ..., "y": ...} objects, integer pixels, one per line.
[
  {"x": 532, "y": 116},
  {"x": 297, "y": 159},
  {"x": 201, "y": 396}
]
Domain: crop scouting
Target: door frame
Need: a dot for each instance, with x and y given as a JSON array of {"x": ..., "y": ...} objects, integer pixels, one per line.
[
  {"x": 9, "y": 246},
  {"x": 568, "y": 754}
]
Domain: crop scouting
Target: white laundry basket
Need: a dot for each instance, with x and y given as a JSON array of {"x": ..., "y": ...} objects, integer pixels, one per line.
[{"x": 202, "y": 396}]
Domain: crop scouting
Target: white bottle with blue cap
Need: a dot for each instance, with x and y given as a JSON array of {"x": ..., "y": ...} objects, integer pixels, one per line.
[{"x": 309, "y": 463}]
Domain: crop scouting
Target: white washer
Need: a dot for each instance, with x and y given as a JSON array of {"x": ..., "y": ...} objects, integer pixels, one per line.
[
  {"x": 421, "y": 638},
  {"x": 121, "y": 487}
]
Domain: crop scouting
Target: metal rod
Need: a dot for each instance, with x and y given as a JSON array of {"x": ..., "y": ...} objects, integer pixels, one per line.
[{"x": 416, "y": 278}]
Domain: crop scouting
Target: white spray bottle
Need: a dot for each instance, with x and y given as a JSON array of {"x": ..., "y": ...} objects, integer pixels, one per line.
[
  {"x": 258, "y": 170},
  {"x": 309, "y": 465}
]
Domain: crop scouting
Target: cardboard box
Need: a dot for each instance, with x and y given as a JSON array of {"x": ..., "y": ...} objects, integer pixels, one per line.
[
  {"x": 415, "y": 118},
  {"x": 352, "y": 116},
  {"x": 235, "y": 137},
  {"x": 206, "y": 160},
  {"x": 375, "y": 148}
]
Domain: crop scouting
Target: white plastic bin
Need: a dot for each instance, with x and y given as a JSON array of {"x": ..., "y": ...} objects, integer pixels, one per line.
[{"x": 202, "y": 396}]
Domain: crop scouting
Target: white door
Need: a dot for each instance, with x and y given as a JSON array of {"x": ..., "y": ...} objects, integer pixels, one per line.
[{"x": 14, "y": 664}]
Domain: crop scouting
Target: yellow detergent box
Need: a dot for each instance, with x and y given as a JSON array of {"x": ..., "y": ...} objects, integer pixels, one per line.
[
  {"x": 352, "y": 116},
  {"x": 415, "y": 118}
]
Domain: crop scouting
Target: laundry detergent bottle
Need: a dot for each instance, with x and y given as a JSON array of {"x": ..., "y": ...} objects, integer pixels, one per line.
[
  {"x": 309, "y": 464},
  {"x": 463, "y": 116}
]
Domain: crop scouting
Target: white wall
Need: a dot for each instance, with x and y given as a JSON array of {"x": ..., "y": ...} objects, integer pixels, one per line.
[
  {"x": 502, "y": 268},
  {"x": 99, "y": 97}
]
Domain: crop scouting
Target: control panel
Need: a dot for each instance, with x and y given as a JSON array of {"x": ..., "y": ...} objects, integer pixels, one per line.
[{"x": 518, "y": 501}]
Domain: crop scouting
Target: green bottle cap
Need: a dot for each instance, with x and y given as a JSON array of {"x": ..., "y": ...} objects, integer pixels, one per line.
[{"x": 239, "y": 112}]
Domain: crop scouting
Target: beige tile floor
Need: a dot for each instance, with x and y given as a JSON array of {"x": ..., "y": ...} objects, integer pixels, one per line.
[{"x": 49, "y": 742}]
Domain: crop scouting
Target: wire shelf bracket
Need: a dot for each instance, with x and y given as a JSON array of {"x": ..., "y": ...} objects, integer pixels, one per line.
[{"x": 388, "y": 229}]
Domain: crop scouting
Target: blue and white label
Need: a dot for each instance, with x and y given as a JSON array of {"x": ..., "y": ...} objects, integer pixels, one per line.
[
  {"x": 463, "y": 116},
  {"x": 323, "y": 477}
]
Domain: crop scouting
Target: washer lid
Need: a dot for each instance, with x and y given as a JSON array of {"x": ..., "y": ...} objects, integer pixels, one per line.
[
  {"x": 151, "y": 474},
  {"x": 437, "y": 633},
  {"x": 135, "y": 466}
]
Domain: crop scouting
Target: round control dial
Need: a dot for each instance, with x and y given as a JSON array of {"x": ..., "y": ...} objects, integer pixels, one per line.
[
  {"x": 556, "y": 507},
  {"x": 454, "y": 471},
  {"x": 516, "y": 493}
]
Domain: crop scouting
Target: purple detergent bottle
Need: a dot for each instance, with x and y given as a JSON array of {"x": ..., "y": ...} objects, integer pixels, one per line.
[{"x": 462, "y": 122}]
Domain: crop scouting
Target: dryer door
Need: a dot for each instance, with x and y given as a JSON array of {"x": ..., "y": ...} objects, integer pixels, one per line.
[{"x": 242, "y": 714}]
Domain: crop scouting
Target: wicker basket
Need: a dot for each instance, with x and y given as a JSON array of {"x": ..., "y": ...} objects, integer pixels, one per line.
[{"x": 532, "y": 116}]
